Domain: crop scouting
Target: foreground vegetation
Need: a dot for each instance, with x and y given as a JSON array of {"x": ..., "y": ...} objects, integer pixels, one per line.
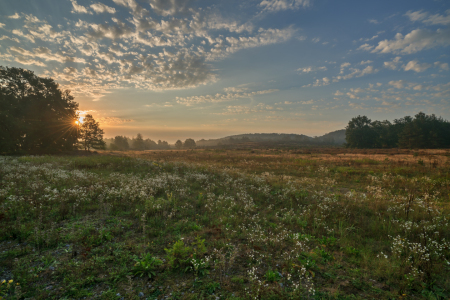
[{"x": 226, "y": 225}]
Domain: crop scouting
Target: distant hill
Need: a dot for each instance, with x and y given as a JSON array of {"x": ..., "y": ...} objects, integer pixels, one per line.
[{"x": 276, "y": 139}]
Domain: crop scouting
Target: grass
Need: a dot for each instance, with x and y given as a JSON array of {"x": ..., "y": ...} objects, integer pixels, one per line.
[{"x": 233, "y": 224}]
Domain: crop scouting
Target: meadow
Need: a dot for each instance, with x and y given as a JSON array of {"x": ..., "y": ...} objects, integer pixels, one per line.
[{"x": 325, "y": 223}]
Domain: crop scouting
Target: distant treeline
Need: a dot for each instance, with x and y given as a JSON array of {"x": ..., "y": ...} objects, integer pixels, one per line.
[
  {"x": 123, "y": 143},
  {"x": 422, "y": 131},
  {"x": 274, "y": 140}
]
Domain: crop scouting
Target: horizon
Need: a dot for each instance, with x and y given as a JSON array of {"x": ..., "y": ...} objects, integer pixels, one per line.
[{"x": 186, "y": 69}]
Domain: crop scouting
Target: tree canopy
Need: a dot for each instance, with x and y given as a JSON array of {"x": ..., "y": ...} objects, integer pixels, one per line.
[
  {"x": 189, "y": 143},
  {"x": 422, "y": 131},
  {"x": 91, "y": 135},
  {"x": 35, "y": 115},
  {"x": 178, "y": 144}
]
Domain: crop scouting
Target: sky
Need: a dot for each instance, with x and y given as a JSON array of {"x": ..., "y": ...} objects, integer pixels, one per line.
[{"x": 177, "y": 69}]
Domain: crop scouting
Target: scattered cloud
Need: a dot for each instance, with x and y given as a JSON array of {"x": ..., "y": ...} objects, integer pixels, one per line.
[
  {"x": 373, "y": 21},
  {"x": 343, "y": 66},
  {"x": 278, "y": 5},
  {"x": 441, "y": 65},
  {"x": 415, "y": 41},
  {"x": 365, "y": 47},
  {"x": 311, "y": 69},
  {"x": 14, "y": 16},
  {"x": 319, "y": 82},
  {"x": 2, "y": 25},
  {"x": 243, "y": 109},
  {"x": 429, "y": 19},
  {"x": 220, "y": 97},
  {"x": 393, "y": 64},
  {"x": 414, "y": 65},
  {"x": 399, "y": 84},
  {"x": 46, "y": 54},
  {"x": 113, "y": 120},
  {"x": 366, "y": 62},
  {"x": 355, "y": 73},
  {"x": 170, "y": 7},
  {"x": 76, "y": 8},
  {"x": 102, "y": 8},
  {"x": 316, "y": 40}
]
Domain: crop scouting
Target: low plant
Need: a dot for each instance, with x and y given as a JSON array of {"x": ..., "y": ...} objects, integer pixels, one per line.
[
  {"x": 146, "y": 266},
  {"x": 272, "y": 276}
]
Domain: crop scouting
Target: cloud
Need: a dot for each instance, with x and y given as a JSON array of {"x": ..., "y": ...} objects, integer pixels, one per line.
[
  {"x": 393, "y": 64},
  {"x": 343, "y": 66},
  {"x": 220, "y": 97},
  {"x": 113, "y": 120},
  {"x": 242, "y": 109},
  {"x": 399, "y": 84},
  {"x": 278, "y": 5},
  {"x": 338, "y": 93},
  {"x": 102, "y": 8},
  {"x": 354, "y": 72},
  {"x": 356, "y": 105},
  {"x": 136, "y": 9},
  {"x": 365, "y": 47},
  {"x": 263, "y": 37},
  {"x": 14, "y": 16},
  {"x": 440, "y": 65},
  {"x": 414, "y": 65},
  {"x": 366, "y": 62},
  {"x": 2, "y": 25},
  {"x": 79, "y": 8},
  {"x": 27, "y": 36},
  {"x": 319, "y": 82},
  {"x": 416, "y": 40},
  {"x": 113, "y": 32},
  {"x": 429, "y": 19},
  {"x": 170, "y": 7},
  {"x": 373, "y": 21},
  {"x": 311, "y": 69},
  {"x": 25, "y": 61},
  {"x": 316, "y": 40},
  {"x": 46, "y": 54}
]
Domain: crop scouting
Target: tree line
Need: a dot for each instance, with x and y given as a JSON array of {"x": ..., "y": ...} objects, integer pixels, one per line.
[
  {"x": 420, "y": 131},
  {"x": 36, "y": 116},
  {"x": 123, "y": 143}
]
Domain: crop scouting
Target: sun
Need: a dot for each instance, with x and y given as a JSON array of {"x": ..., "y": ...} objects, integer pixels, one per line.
[{"x": 79, "y": 121}]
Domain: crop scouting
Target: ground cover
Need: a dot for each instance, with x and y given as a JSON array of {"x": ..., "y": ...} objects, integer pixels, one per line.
[{"x": 219, "y": 224}]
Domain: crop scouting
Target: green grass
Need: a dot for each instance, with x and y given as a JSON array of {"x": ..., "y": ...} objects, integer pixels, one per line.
[{"x": 101, "y": 226}]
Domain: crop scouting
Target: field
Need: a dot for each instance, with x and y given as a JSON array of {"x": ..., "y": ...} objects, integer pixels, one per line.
[{"x": 226, "y": 224}]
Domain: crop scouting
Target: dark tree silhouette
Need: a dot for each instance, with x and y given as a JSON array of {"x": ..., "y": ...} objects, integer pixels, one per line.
[
  {"x": 120, "y": 143},
  {"x": 150, "y": 144},
  {"x": 359, "y": 133},
  {"x": 35, "y": 115},
  {"x": 178, "y": 144},
  {"x": 91, "y": 136},
  {"x": 138, "y": 142},
  {"x": 422, "y": 131},
  {"x": 189, "y": 144}
]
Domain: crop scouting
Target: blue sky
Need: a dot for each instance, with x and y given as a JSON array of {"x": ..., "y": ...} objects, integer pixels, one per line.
[{"x": 173, "y": 69}]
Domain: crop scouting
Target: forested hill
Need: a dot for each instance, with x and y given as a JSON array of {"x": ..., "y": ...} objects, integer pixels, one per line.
[{"x": 332, "y": 138}]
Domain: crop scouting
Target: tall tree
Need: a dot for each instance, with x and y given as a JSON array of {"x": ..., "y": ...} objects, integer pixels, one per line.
[
  {"x": 360, "y": 133},
  {"x": 149, "y": 144},
  {"x": 178, "y": 144},
  {"x": 35, "y": 115},
  {"x": 138, "y": 142},
  {"x": 90, "y": 134},
  {"x": 121, "y": 143},
  {"x": 189, "y": 143}
]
